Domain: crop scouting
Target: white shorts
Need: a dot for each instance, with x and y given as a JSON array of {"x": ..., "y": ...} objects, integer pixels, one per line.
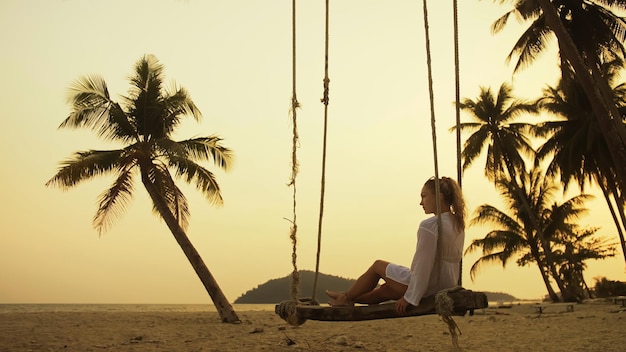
[{"x": 398, "y": 273}]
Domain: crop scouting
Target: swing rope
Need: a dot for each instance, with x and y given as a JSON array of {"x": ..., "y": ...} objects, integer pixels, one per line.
[
  {"x": 457, "y": 105},
  {"x": 295, "y": 275},
  {"x": 446, "y": 309},
  {"x": 295, "y": 312},
  {"x": 324, "y": 101},
  {"x": 457, "y": 91},
  {"x": 288, "y": 310}
]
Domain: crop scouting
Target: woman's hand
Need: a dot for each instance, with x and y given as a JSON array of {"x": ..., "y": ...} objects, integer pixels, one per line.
[{"x": 401, "y": 306}]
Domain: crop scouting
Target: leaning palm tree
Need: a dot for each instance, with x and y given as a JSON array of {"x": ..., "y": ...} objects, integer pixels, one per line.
[
  {"x": 589, "y": 34},
  {"x": 494, "y": 127},
  {"x": 515, "y": 235},
  {"x": 144, "y": 123},
  {"x": 596, "y": 31},
  {"x": 579, "y": 152}
]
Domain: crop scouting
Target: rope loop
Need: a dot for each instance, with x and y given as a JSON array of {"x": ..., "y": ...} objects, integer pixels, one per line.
[
  {"x": 444, "y": 306},
  {"x": 288, "y": 311}
]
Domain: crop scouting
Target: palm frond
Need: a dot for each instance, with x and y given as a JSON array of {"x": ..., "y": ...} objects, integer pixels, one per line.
[
  {"x": 486, "y": 259},
  {"x": 113, "y": 201},
  {"x": 147, "y": 77},
  {"x": 85, "y": 165},
  {"x": 473, "y": 147},
  {"x": 92, "y": 108},
  {"x": 209, "y": 148},
  {"x": 177, "y": 105},
  {"x": 175, "y": 200},
  {"x": 195, "y": 174},
  {"x": 531, "y": 44},
  {"x": 489, "y": 215}
]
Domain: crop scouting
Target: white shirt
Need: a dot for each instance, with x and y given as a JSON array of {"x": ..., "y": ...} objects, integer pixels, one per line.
[{"x": 427, "y": 276}]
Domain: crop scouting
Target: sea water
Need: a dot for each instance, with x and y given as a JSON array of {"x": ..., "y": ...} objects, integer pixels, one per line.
[
  {"x": 45, "y": 307},
  {"x": 130, "y": 307}
]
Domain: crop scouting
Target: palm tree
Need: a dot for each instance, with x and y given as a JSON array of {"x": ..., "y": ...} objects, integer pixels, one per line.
[
  {"x": 144, "y": 123},
  {"x": 597, "y": 33},
  {"x": 505, "y": 140},
  {"x": 494, "y": 127},
  {"x": 580, "y": 153},
  {"x": 516, "y": 235},
  {"x": 573, "y": 248},
  {"x": 588, "y": 34}
]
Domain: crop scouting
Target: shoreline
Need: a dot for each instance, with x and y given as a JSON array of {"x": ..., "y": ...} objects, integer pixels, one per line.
[{"x": 597, "y": 325}]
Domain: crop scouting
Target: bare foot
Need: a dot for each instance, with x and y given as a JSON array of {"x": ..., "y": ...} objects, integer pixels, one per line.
[
  {"x": 341, "y": 301},
  {"x": 333, "y": 294}
]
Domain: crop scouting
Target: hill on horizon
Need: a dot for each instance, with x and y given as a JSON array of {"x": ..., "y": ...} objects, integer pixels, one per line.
[{"x": 278, "y": 290}]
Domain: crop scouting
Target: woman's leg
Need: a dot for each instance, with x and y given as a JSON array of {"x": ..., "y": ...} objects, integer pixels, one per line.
[
  {"x": 390, "y": 290},
  {"x": 365, "y": 290}
]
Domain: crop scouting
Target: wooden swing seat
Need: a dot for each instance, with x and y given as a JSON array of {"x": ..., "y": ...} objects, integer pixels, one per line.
[{"x": 463, "y": 300}]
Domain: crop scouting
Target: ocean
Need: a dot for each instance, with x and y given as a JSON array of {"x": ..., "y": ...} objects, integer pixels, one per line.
[{"x": 45, "y": 307}]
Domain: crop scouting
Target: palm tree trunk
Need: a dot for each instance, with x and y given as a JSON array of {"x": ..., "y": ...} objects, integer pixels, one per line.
[
  {"x": 224, "y": 308},
  {"x": 607, "y": 183},
  {"x": 614, "y": 215},
  {"x": 545, "y": 245},
  {"x": 546, "y": 279}
]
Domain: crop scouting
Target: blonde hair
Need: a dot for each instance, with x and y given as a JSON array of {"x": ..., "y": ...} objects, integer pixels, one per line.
[{"x": 451, "y": 192}]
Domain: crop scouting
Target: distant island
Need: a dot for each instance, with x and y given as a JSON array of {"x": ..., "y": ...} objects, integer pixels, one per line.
[{"x": 278, "y": 290}]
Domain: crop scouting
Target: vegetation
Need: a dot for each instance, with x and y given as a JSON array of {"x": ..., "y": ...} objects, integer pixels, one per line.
[
  {"x": 608, "y": 288},
  {"x": 587, "y": 143},
  {"x": 515, "y": 237},
  {"x": 589, "y": 34},
  {"x": 143, "y": 123},
  {"x": 579, "y": 153}
]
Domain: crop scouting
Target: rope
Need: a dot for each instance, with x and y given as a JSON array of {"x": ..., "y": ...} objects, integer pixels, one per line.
[
  {"x": 324, "y": 101},
  {"x": 457, "y": 97},
  {"x": 295, "y": 275},
  {"x": 444, "y": 306},
  {"x": 287, "y": 310},
  {"x": 432, "y": 118}
]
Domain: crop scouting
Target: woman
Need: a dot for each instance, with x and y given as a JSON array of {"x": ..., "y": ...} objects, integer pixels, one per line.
[{"x": 435, "y": 266}]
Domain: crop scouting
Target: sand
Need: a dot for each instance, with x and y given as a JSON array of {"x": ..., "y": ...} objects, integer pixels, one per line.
[{"x": 592, "y": 326}]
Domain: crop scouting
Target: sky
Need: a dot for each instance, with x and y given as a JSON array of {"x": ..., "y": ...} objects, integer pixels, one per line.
[{"x": 235, "y": 59}]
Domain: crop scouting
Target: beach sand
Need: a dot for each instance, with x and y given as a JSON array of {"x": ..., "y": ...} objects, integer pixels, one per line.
[{"x": 592, "y": 326}]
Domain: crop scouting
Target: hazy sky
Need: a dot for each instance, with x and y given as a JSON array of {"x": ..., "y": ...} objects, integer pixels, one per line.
[{"x": 234, "y": 57}]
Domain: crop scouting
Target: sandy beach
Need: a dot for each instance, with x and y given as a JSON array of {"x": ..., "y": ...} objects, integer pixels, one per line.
[{"x": 593, "y": 326}]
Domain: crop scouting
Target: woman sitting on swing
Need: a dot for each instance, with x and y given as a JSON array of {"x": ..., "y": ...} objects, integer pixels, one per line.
[{"x": 435, "y": 266}]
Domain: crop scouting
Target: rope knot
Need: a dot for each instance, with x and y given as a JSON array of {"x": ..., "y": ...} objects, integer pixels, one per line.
[{"x": 444, "y": 306}]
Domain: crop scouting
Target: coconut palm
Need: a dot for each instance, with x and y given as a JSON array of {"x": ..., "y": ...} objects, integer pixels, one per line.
[
  {"x": 143, "y": 123},
  {"x": 573, "y": 248},
  {"x": 597, "y": 32},
  {"x": 579, "y": 152},
  {"x": 588, "y": 34},
  {"x": 494, "y": 126},
  {"x": 515, "y": 235}
]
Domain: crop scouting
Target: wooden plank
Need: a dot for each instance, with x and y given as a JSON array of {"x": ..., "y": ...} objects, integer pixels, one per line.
[
  {"x": 620, "y": 300},
  {"x": 464, "y": 301},
  {"x": 540, "y": 308}
]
